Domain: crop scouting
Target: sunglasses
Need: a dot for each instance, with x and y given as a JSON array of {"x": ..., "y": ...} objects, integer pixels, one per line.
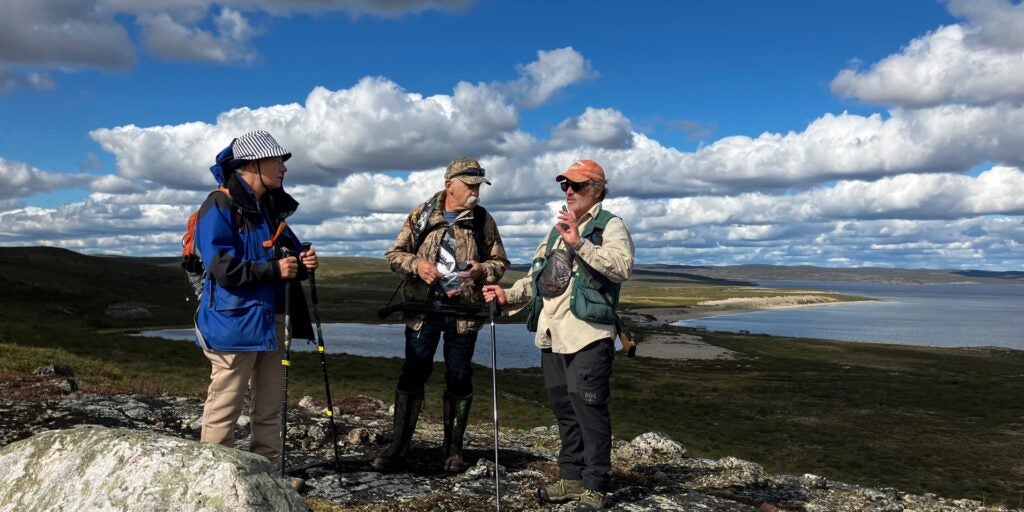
[
  {"x": 470, "y": 172},
  {"x": 566, "y": 185}
]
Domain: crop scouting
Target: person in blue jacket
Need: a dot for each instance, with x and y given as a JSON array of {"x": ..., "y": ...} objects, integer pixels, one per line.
[{"x": 241, "y": 236}]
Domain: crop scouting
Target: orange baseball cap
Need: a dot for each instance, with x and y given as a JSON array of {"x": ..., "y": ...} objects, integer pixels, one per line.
[{"x": 581, "y": 171}]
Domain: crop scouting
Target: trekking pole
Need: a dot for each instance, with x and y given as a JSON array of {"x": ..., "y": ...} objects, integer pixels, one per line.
[
  {"x": 492, "y": 307},
  {"x": 323, "y": 360},
  {"x": 286, "y": 362}
]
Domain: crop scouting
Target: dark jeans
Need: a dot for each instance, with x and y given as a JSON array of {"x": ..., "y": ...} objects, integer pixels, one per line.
[
  {"x": 420, "y": 347},
  {"x": 578, "y": 389}
]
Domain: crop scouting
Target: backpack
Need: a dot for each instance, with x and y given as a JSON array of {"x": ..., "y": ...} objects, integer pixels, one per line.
[{"x": 191, "y": 259}]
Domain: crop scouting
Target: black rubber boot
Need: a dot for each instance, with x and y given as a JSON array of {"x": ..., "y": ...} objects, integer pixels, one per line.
[
  {"x": 456, "y": 415},
  {"x": 407, "y": 411}
]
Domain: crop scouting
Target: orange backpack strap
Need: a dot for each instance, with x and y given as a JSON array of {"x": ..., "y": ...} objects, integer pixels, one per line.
[{"x": 280, "y": 229}]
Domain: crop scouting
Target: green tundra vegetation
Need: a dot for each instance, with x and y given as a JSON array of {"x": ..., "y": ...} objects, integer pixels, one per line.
[{"x": 920, "y": 419}]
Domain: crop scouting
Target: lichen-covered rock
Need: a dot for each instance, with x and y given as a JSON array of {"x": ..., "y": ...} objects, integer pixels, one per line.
[
  {"x": 734, "y": 472},
  {"x": 94, "y": 468},
  {"x": 357, "y": 436},
  {"x": 813, "y": 481},
  {"x": 650, "y": 448},
  {"x": 661, "y": 481},
  {"x": 54, "y": 371}
]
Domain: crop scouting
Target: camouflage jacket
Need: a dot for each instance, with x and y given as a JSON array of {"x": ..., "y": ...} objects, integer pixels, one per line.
[{"x": 404, "y": 261}]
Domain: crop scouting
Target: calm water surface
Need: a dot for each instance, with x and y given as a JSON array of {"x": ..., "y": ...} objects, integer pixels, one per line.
[
  {"x": 946, "y": 315},
  {"x": 961, "y": 315},
  {"x": 514, "y": 342}
]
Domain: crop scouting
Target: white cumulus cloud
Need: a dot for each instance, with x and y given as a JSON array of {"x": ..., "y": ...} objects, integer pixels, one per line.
[
  {"x": 172, "y": 39},
  {"x": 551, "y": 72},
  {"x": 375, "y": 125},
  {"x": 18, "y": 180},
  {"x": 936, "y": 69},
  {"x": 71, "y": 34}
]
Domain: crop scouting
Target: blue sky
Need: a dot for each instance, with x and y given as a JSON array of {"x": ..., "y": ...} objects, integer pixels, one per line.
[{"x": 830, "y": 133}]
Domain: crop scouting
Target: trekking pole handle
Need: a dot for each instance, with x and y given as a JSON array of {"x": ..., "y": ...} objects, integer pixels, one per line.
[
  {"x": 288, "y": 252},
  {"x": 312, "y": 281},
  {"x": 305, "y": 248}
]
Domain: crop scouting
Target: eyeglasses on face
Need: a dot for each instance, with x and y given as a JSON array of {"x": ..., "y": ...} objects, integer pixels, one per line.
[{"x": 566, "y": 185}]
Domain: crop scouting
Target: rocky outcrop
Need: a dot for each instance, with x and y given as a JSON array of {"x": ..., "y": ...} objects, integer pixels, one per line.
[
  {"x": 650, "y": 472},
  {"x": 96, "y": 468}
]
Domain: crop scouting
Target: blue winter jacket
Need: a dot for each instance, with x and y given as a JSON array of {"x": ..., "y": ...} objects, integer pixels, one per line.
[{"x": 243, "y": 288}]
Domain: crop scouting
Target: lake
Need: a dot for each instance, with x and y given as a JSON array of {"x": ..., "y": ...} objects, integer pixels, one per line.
[
  {"x": 944, "y": 315},
  {"x": 514, "y": 342},
  {"x": 947, "y": 315}
]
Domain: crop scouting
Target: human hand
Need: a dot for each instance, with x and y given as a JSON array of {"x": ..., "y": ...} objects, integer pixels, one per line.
[
  {"x": 310, "y": 259},
  {"x": 475, "y": 270},
  {"x": 566, "y": 226},
  {"x": 427, "y": 272},
  {"x": 289, "y": 267},
  {"x": 495, "y": 292}
]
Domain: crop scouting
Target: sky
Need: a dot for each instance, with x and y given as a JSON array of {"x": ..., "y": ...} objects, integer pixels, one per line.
[{"x": 839, "y": 134}]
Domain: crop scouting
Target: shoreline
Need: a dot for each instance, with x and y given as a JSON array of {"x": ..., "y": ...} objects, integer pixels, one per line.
[
  {"x": 682, "y": 346},
  {"x": 731, "y": 306}
]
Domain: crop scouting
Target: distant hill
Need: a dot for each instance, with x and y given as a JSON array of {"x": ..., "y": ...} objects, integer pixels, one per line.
[
  {"x": 862, "y": 274},
  {"x": 744, "y": 274},
  {"x": 110, "y": 291}
]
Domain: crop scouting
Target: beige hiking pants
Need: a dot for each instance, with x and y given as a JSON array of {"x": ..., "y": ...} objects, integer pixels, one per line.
[{"x": 233, "y": 375}]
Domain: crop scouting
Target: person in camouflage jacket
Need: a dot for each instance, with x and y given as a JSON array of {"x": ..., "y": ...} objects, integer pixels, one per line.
[{"x": 446, "y": 256}]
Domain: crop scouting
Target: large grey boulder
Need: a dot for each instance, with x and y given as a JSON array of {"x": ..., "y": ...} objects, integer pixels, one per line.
[
  {"x": 650, "y": 448},
  {"x": 103, "y": 469}
]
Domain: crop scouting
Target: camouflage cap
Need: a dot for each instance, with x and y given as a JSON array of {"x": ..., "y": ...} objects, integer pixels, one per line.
[{"x": 467, "y": 170}]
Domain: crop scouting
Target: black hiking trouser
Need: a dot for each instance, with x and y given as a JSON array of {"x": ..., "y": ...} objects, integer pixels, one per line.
[
  {"x": 578, "y": 389},
  {"x": 420, "y": 347}
]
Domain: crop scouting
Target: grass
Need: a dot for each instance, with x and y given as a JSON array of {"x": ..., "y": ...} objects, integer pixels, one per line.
[{"x": 947, "y": 421}]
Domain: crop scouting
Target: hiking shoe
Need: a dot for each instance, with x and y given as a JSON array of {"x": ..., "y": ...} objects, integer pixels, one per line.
[
  {"x": 590, "y": 501},
  {"x": 562, "y": 491}
]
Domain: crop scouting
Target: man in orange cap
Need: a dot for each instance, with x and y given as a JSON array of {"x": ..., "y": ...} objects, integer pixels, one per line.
[{"x": 572, "y": 290}]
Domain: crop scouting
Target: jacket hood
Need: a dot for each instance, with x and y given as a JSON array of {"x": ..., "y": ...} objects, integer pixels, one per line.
[{"x": 222, "y": 165}]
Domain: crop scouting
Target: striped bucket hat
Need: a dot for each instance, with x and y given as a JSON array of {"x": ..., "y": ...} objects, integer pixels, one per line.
[{"x": 256, "y": 145}]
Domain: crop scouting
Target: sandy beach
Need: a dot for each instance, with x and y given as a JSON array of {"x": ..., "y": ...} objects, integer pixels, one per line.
[{"x": 691, "y": 346}]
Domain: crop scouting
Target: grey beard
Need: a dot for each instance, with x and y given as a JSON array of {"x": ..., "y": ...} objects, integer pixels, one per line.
[{"x": 471, "y": 201}]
